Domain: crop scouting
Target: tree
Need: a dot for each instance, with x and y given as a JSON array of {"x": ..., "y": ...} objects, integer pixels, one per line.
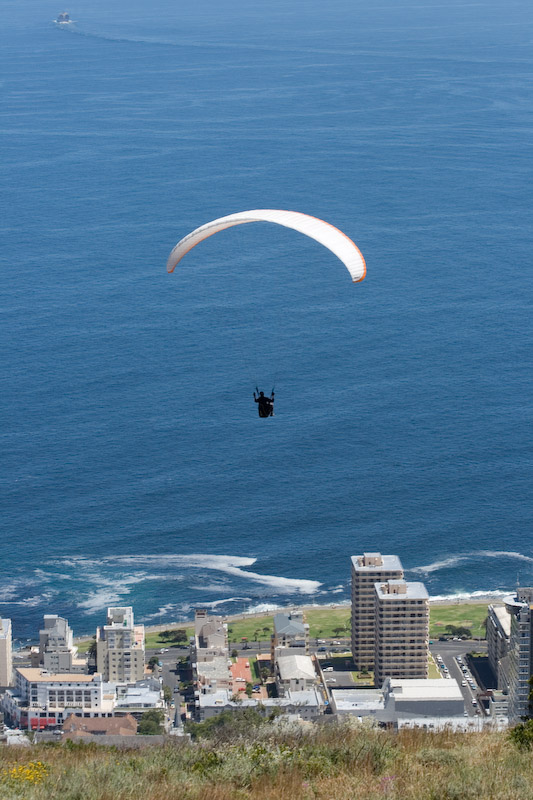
[
  {"x": 235, "y": 654},
  {"x": 236, "y": 724},
  {"x": 91, "y": 651},
  {"x": 151, "y": 723},
  {"x": 152, "y": 664},
  {"x": 249, "y": 689},
  {"x": 178, "y": 635},
  {"x": 167, "y": 694},
  {"x": 265, "y": 673},
  {"x": 338, "y": 630},
  {"x": 522, "y": 735}
]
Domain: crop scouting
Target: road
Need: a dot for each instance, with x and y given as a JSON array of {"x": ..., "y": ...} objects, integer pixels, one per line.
[{"x": 449, "y": 651}]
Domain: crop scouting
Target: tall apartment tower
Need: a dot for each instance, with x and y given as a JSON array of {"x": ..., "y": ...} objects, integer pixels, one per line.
[
  {"x": 516, "y": 667},
  {"x": 367, "y": 570},
  {"x": 6, "y": 654},
  {"x": 120, "y": 647},
  {"x": 402, "y": 630}
]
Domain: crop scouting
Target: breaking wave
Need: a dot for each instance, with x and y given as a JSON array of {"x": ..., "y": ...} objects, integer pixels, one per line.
[{"x": 454, "y": 561}]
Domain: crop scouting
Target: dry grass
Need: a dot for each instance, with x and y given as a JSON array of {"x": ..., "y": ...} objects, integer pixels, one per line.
[{"x": 331, "y": 761}]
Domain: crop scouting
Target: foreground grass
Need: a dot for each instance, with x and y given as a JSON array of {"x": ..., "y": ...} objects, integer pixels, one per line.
[{"x": 329, "y": 761}]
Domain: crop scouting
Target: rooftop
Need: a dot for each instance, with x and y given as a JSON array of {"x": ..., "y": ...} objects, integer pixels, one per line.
[
  {"x": 404, "y": 590},
  {"x": 38, "y": 675},
  {"x": 296, "y": 667},
  {"x": 285, "y": 626},
  {"x": 367, "y": 563},
  {"x": 425, "y": 689},
  {"x": 504, "y": 618}
]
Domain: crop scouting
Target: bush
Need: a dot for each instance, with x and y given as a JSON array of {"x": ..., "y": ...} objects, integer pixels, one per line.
[{"x": 151, "y": 723}]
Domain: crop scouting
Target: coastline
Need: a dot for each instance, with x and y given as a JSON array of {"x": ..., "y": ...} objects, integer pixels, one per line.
[
  {"x": 460, "y": 600},
  {"x": 437, "y": 601}
]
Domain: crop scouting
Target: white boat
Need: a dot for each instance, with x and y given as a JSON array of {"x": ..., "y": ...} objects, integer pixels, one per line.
[{"x": 63, "y": 20}]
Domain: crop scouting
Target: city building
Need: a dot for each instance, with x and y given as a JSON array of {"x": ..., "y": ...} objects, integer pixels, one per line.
[
  {"x": 120, "y": 647},
  {"x": 6, "y": 653},
  {"x": 57, "y": 652},
  {"x": 397, "y": 700},
  {"x": 294, "y": 673},
  {"x": 516, "y": 668},
  {"x": 498, "y": 635},
  {"x": 210, "y": 636},
  {"x": 306, "y": 705},
  {"x": 290, "y": 630},
  {"x": 212, "y": 675},
  {"x": 401, "y": 630},
  {"x": 80, "y": 728},
  {"x": 368, "y": 569},
  {"x": 42, "y": 700}
]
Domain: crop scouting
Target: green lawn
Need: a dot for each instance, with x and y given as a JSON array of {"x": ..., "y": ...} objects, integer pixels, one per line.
[
  {"x": 154, "y": 641},
  {"x": 251, "y": 628},
  {"x": 470, "y": 615},
  {"x": 330, "y": 623}
]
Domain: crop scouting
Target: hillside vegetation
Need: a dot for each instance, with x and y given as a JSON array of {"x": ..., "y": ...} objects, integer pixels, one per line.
[{"x": 241, "y": 756}]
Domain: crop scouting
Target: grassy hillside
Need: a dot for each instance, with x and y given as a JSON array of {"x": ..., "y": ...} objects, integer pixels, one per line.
[{"x": 244, "y": 759}]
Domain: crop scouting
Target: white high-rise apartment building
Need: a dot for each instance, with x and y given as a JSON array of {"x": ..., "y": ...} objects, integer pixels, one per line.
[
  {"x": 120, "y": 647},
  {"x": 57, "y": 652},
  {"x": 516, "y": 668},
  {"x": 401, "y": 630},
  {"x": 6, "y": 653},
  {"x": 367, "y": 570}
]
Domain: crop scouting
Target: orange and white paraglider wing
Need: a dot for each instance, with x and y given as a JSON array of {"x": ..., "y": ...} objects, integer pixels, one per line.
[{"x": 324, "y": 233}]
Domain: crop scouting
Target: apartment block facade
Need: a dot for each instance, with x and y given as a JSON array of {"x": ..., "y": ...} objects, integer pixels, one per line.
[
  {"x": 6, "y": 653},
  {"x": 498, "y": 635},
  {"x": 401, "y": 630},
  {"x": 120, "y": 647},
  {"x": 367, "y": 570},
  {"x": 516, "y": 668},
  {"x": 42, "y": 700},
  {"x": 57, "y": 652}
]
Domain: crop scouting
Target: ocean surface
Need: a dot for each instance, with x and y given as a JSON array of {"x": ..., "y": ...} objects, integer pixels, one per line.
[{"x": 134, "y": 468}]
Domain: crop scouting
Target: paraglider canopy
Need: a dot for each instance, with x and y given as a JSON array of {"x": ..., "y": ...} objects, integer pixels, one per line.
[{"x": 324, "y": 233}]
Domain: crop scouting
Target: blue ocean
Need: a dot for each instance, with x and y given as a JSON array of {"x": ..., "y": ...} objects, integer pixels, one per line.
[{"x": 134, "y": 468}]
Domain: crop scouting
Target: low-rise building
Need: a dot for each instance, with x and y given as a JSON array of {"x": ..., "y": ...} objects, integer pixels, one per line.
[
  {"x": 210, "y": 676},
  {"x": 401, "y": 700},
  {"x": 358, "y": 703},
  {"x": 307, "y": 705},
  {"x": 210, "y": 636},
  {"x": 77, "y": 728},
  {"x": 423, "y": 698},
  {"x": 41, "y": 699},
  {"x": 290, "y": 630},
  {"x": 295, "y": 673}
]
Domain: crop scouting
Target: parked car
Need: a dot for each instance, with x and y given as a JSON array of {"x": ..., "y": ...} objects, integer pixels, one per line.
[{"x": 328, "y": 669}]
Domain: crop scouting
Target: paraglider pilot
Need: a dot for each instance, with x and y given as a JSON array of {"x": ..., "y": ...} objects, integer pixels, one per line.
[{"x": 265, "y": 404}]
